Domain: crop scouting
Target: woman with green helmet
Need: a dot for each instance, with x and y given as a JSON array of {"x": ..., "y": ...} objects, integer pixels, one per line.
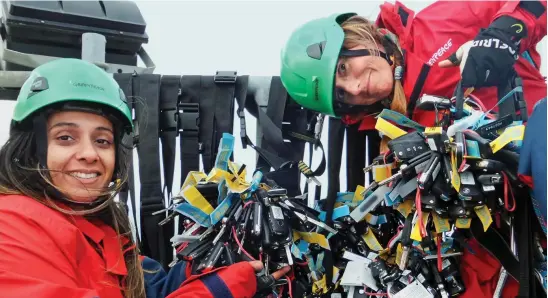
[
  {"x": 62, "y": 234},
  {"x": 348, "y": 67}
]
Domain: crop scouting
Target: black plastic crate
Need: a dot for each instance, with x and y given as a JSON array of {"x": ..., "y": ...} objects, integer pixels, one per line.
[{"x": 60, "y": 24}]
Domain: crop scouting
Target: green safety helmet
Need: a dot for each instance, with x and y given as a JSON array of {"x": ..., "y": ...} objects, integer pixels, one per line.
[
  {"x": 71, "y": 81},
  {"x": 309, "y": 61}
]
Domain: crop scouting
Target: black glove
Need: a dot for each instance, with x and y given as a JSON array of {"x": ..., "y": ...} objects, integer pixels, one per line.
[{"x": 493, "y": 53}]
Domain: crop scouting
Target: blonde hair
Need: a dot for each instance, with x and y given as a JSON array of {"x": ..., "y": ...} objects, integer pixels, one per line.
[{"x": 360, "y": 31}]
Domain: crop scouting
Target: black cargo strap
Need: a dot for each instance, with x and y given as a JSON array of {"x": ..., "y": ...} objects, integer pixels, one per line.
[
  {"x": 208, "y": 102},
  {"x": 154, "y": 244},
  {"x": 277, "y": 99},
  {"x": 217, "y": 113},
  {"x": 334, "y": 148},
  {"x": 169, "y": 98},
  {"x": 189, "y": 124},
  {"x": 271, "y": 159},
  {"x": 125, "y": 81}
]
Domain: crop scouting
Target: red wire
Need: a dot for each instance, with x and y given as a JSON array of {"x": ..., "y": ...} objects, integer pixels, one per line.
[
  {"x": 400, "y": 227},
  {"x": 375, "y": 294},
  {"x": 506, "y": 187},
  {"x": 422, "y": 229},
  {"x": 240, "y": 245},
  {"x": 438, "y": 240},
  {"x": 290, "y": 292}
]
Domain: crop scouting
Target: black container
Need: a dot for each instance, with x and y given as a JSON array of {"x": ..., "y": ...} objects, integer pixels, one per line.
[{"x": 55, "y": 28}]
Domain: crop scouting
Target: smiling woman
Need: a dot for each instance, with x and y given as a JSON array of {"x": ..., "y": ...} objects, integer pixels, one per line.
[{"x": 81, "y": 154}]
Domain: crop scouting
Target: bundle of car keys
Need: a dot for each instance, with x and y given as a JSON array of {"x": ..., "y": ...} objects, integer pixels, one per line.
[{"x": 401, "y": 236}]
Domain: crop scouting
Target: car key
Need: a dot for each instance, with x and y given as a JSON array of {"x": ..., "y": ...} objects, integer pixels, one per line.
[
  {"x": 211, "y": 258},
  {"x": 229, "y": 256},
  {"x": 408, "y": 170},
  {"x": 487, "y": 166},
  {"x": 458, "y": 211},
  {"x": 276, "y": 220},
  {"x": 469, "y": 191},
  {"x": 257, "y": 219},
  {"x": 427, "y": 177},
  {"x": 406, "y": 240},
  {"x": 490, "y": 179},
  {"x": 441, "y": 189},
  {"x": 191, "y": 253},
  {"x": 233, "y": 213},
  {"x": 460, "y": 147}
]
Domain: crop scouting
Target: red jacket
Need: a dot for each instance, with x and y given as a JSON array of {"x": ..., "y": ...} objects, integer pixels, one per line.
[
  {"x": 439, "y": 30},
  {"x": 44, "y": 253}
]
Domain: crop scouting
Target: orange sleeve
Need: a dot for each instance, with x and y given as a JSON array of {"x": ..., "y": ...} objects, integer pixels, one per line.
[{"x": 31, "y": 263}]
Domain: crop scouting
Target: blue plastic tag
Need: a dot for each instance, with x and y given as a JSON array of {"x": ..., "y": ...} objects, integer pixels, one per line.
[
  {"x": 226, "y": 146},
  {"x": 337, "y": 212},
  {"x": 194, "y": 213},
  {"x": 220, "y": 211}
]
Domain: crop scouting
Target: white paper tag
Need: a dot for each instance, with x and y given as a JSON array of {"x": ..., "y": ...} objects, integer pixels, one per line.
[
  {"x": 356, "y": 258},
  {"x": 277, "y": 212},
  {"x": 413, "y": 290},
  {"x": 336, "y": 295},
  {"x": 487, "y": 188},
  {"x": 432, "y": 144},
  {"x": 467, "y": 178}
]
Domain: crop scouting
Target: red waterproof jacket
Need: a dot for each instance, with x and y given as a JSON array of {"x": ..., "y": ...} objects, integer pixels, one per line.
[
  {"x": 440, "y": 29},
  {"x": 44, "y": 253}
]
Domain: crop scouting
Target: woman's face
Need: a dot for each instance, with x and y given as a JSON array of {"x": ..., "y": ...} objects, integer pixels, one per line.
[
  {"x": 81, "y": 154},
  {"x": 363, "y": 80}
]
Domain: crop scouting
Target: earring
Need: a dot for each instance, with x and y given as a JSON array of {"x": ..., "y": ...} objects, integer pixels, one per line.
[{"x": 398, "y": 73}]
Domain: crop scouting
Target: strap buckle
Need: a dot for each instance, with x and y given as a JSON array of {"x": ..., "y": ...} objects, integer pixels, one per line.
[
  {"x": 188, "y": 117},
  {"x": 225, "y": 77}
]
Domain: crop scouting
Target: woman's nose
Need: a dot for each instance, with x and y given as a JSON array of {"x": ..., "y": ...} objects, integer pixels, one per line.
[
  {"x": 87, "y": 152},
  {"x": 353, "y": 88}
]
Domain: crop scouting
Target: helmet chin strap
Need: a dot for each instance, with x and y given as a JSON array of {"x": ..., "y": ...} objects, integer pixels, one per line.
[{"x": 40, "y": 137}]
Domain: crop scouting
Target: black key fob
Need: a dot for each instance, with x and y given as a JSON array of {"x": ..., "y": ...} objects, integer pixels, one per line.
[
  {"x": 408, "y": 146},
  {"x": 277, "y": 221},
  {"x": 257, "y": 219},
  {"x": 428, "y": 202},
  {"x": 458, "y": 211}
]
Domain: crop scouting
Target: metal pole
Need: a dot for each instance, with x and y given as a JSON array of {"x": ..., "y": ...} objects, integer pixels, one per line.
[{"x": 94, "y": 49}]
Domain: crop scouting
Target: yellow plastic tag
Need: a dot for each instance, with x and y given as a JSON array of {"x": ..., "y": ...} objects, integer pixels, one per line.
[
  {"x": 455, "y": 177},
  {"x": 432, "y": 131},
  {"x": 485, "y": 216},
  {"x": 195, "y": 198},
  {"x": 382, "y": 172},
  {"x": 192, "y": 178},
  {"x": 388, "y": 129},
  {"x": 441, "y": 224},
  {"x": 513, "y": 133},
  {"x": 416, "y": 233},
  {"x": 371, "y": 240},
  {"x": 463, "y": 223},
  {"x": 311, "y": 238},
  {"x": 399, "y": 251},
  {"x": 405, "y": 207},
  {"x": 320, "y": 285},
  {"x": 357, "y": 194}
]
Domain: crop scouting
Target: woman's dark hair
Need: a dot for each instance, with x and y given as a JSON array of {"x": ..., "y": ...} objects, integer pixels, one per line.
[{"x": 22, "y": 174}]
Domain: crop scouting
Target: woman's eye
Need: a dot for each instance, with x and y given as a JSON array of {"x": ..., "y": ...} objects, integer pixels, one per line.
[
  {"x": 104, "y": 142},
  {"x": 342, "y": 68},
  {"x": 64, "y": 138}
]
